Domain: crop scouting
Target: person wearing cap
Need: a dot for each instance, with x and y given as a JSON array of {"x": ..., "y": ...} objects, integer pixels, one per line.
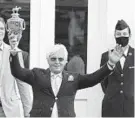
[
  {"x": 118, "y": 87},
  {"x": 54, "y": 88},
  {"x": 25, "y": 89}
]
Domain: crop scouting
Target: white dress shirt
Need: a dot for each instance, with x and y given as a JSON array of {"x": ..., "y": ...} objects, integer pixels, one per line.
[
  {"x": 56, "y": 80},
  {"x": 122, "y": 60},
  {"x": 1, "y": 55}
]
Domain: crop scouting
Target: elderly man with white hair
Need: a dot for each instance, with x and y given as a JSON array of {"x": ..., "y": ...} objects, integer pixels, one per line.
[{"x": 54, "y": 88}]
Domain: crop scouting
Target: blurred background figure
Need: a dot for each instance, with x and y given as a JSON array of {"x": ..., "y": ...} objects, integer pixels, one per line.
[
  {"x": 119, "y": 86},
  {"x": 71, "y": 28},
  {"x": 76, "y": 63},
  {"x": 76, "y": 28}
]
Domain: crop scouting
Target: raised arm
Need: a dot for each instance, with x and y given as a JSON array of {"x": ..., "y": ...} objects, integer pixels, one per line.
[
  {"x": 17, "y": 71},
  {"x": 90, "y": 80},
  {"x": 104, "y": 83}
]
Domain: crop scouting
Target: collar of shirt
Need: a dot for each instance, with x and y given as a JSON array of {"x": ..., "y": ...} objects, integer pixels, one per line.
[
  {"x": 126, "y": 51},
  {"x": 2, "y": 47},
  {"x": 56, "y": 75},
  {"x": 17, "y": 49}
]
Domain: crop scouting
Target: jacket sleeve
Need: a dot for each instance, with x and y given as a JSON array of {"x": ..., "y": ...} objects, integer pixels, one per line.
[
  {"x": 17, "y": 71},
  {"x": 25, "y": 89},
  {"x": 104, "y": 82},
  {"x": 89, "y": 80}
]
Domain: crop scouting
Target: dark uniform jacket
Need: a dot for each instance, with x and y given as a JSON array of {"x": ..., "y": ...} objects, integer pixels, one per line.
[
  {"x": 119, "y": 88},
  {"x": 44, "y": 98}
]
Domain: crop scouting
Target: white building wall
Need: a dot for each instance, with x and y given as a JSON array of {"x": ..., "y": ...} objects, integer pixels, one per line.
[
  {"x": 97, "y": 17},
  {"x": 120, "y": 9}
]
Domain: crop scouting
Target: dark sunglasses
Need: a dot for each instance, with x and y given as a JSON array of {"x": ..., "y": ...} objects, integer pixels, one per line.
[{"x": 54, "y": 59}]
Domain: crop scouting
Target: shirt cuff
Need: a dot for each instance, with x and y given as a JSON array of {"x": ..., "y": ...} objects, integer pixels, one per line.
[{"x": 111, "y": 67}]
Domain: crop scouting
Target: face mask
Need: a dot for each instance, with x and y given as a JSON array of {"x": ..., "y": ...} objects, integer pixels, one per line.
[{"x": 123, "y": 41}]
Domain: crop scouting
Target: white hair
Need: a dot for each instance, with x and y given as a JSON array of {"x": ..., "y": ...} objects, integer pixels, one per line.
[{"x": 55, "y": 48}]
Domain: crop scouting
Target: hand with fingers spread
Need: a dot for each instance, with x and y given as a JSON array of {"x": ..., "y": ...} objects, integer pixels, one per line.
[{"x": 115, "y": 55}]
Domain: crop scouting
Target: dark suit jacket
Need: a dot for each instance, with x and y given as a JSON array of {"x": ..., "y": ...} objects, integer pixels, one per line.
[
  {"x": 44, "y": 98},
  {"x": 119, "y": 88},
  {"x": 25, "y": 89}
]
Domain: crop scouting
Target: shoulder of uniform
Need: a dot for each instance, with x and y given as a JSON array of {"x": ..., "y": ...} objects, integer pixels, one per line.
[{"x": 104, "y": 53}]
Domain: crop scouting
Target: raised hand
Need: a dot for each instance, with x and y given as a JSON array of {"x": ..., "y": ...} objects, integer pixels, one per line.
[{"x": 115, "y": 55}]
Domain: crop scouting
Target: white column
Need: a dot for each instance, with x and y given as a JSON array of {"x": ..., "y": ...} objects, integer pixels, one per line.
[
  {"x": 41, "y": 31},
  {"x": 47, "y": 29},
  {"x": 97, "y": 27},
  {"x": 34, "y": 32}
]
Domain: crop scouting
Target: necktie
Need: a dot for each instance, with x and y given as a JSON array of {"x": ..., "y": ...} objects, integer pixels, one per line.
[
  {"x": 122, "y": 60},
  {"x": 124, "y": 56},
  {"x": 55, "y": 84}
]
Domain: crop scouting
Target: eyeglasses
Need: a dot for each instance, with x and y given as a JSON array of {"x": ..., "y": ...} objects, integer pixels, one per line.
[{"x": 59, "y": 59}]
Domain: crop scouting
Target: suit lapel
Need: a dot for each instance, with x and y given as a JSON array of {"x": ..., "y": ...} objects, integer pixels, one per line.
[
  {"x": 129, "y": 55},
  {"x": 49, "y": 82},
  {"x": 64, "y": 80},
  {"x": 5, "y": 60},
  {"x": 118, "y": 67}
]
